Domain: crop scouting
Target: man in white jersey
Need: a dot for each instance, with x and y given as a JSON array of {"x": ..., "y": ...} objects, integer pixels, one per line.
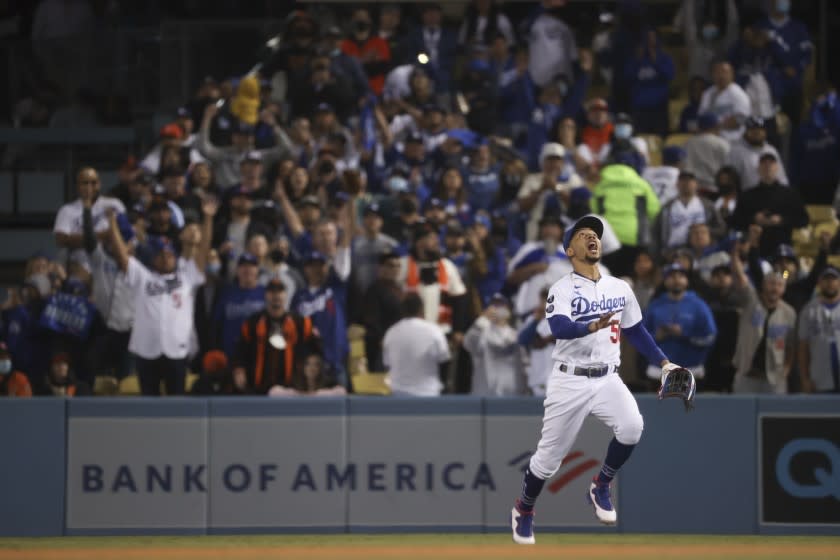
[
  {"x": 68, "y": 222},
  {"x": 587, "y": 313},
  {"x": 163, "y": 305},
  {"x": 727, "y": 100}
]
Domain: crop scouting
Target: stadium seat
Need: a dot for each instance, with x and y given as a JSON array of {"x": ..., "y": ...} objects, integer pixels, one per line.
[
  {"x": 675, "y": 108},
  {"x": 371, "y": 384},
  {"x": 654, "y": 145},
  {"x": 130, "y": 385},
  {"x": 819, "y": 213},
  {"x": 40, "y": 192},
  {"x": 678, "y": 139}
]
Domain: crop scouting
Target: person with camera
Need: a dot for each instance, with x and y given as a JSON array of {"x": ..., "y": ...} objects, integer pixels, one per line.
[{"x": 540, "y": 191}]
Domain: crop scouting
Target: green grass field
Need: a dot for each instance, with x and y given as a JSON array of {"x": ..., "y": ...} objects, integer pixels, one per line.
[{"x": 411, "y": 547}]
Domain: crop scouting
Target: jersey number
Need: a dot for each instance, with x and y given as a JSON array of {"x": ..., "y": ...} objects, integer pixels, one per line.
[{"x": 616, "y": 333}]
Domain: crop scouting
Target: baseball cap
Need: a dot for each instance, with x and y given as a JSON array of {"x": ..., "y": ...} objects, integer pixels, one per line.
[
  {"x": 434, "y": 202},
  {"x": 686, "y": 175},
  {"x": 183, "y": 112},
  {"x": 830, "y": 271},
  {"x": 314, "y": 256},
  {"x": 550, "y": 218},
  {"x": 324, "y": 108},
  {"x": 484, "y": 220},
  {"x": 422, "y": 229},
  {"x": 580, "y": 194},
  {"x": 673, "y": 267},
  {"x": 373, "y": 208},
  {"x": 754, "y": 122},
  {"x": 240, "y": 190},
  {"x": 4, "y": 350},
  {"x": 275, "y": 285},
  {"x": 158, "y": 244},
  {"x": 499, "y": 299},
  {"x": 252, "y": 155},
  {"x": 768, "y": 155},
  {"x": 333, "y": 31},
  {"x": 247, "y": 258},
  {"x": 432, "y": 108},
  {"x": 172, "y": 130},
  {"x": 158, "y": 205},
  {"x": 785, "y": 251},
  {"x": 623, "y": 118},
  {"x": 414, "y": 138},
  {"x": 591, "y": 222},
  {"x": 672, "y": 155},
  {"x": 214, "y": 361},
  {"x": 552, "y": 149}
]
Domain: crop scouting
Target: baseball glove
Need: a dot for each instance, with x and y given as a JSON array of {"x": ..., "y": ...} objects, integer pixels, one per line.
[{"x": 679, "y": 382}]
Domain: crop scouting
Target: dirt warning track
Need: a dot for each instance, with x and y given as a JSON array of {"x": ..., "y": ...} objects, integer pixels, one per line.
[{"x": 438, "y": 552}]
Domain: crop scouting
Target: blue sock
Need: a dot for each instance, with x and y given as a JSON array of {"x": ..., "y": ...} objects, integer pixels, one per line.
[
  {"x": 617, "y": 455},
  {"x": 531, "y": 488}
]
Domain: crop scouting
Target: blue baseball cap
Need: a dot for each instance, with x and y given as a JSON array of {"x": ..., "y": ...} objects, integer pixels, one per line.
[
  {"x": 484, "y": 220},
  {"x": 591, "y": 222},
  {"x": 159, "y": 244},
  {"x": 785, "y": 251},
  {"x": 314, "y": 256},
  {"x": 673, "y": 267},
  {"x": 830, "y": 271},
  {"x": 247, "y": 258},
  {"x": 672, "y": 155}
]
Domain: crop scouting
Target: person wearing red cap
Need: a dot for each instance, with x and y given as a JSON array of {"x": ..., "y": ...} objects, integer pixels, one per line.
[
  {"x": 215, "y": 377},
  {"x": 60, "y": 381},
  {"x": 12, "y": 383}
]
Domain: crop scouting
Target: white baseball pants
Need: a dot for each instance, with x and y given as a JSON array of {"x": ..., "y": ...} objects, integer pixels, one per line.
[{"x": 569, "y": 400}]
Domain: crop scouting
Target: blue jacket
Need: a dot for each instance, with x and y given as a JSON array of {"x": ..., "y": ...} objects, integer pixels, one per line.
[
  {"x": 815, "y": 148},
  {"x": 769, "y": 61},
  {"x": 544, "y": 118},
  {"x": 516, "y": 94},
  {"x": 326, "y": 307},
  {"x": 798, "y": 50},
  {"x": 234, "y": 305},
  {"x": 441, "y": 71},
  {"x": 649, "y": 80},
  {"x": 494, "y": 281},
  {"x": 698, "y": 327},
  {"x": 482, "y": 187}
]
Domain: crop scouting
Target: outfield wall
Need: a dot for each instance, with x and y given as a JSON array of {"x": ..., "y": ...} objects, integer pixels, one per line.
[{"x": 378, "y": 464}]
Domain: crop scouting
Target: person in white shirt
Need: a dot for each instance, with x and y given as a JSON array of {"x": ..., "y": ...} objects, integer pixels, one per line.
[
  {"x": 674, "y": 221},
  {"x": 413, "y": 350},
  {"x": 557, "y": 178},
  {"x": 68, "y": 222},
  {"x": 706, "y": 152},
  {"x": 552, "y": 46},
  {"x": 727, "y": 100},
  {"x": 164, "y": 302},
  {"x": 498, "y": 368},
  {"x": 745, "y": 153},
  {"x": 663, "y": 178},
  {"x": 114, "y": 299}
]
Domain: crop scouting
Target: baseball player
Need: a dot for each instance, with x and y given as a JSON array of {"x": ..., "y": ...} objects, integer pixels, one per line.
[{"x": 587, "y": 312}]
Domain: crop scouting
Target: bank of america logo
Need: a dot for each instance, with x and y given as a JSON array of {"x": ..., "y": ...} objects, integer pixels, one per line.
[{"x": 571, "y": 468}]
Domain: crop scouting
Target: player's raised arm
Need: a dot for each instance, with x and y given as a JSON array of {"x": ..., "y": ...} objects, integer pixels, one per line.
[
  {"x": 209, "y": 208},
  {"x": 121, "y": 254}
]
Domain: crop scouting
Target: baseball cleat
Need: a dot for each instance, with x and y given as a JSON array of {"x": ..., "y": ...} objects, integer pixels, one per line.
[
  {"x": 522, "y": 525},
  {"x": 599, "y": 497}
]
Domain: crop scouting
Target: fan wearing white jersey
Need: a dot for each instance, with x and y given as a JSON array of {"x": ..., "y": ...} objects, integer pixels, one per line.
[
  {"x": 587, "y": 312},
  {"x": 163, "y": 305}
]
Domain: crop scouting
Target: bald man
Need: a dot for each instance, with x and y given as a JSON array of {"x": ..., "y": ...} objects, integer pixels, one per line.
[{"x": 69, "y": 220}]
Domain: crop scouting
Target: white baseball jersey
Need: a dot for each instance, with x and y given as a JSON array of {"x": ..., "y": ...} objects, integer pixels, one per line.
[
  {"x": 69, "y": 220},
  {"x": 732, "y": 101},
  {"x": 583, "y": 300},
  {"x": 112, "y": 294},
  {"x": 663, "y": 179},
  {"x": 163, "y": 309}
]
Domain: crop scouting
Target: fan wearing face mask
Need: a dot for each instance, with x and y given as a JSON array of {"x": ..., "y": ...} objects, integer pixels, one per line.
[{"x": 272, "y": 344}]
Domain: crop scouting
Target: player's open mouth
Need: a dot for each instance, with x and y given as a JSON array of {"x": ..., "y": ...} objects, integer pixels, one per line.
[{"x": 592, "y": 246}]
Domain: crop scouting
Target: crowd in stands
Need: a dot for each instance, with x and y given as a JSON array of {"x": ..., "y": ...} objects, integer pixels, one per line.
[{"x": 389, "y": 194}]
